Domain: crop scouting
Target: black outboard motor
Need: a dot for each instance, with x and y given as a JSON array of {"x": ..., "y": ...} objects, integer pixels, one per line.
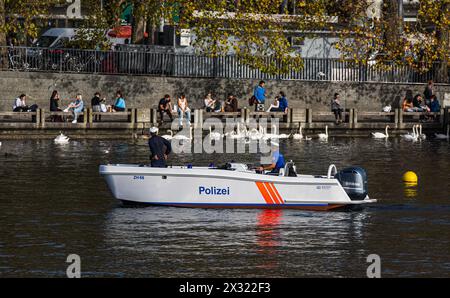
[{"x": 354, "y": 182}]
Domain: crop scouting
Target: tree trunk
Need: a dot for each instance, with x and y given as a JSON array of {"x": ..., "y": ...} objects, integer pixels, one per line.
[
  {"x": 150, "y": 29},
  {"x": 3, "y": 52},
  {"x": 2, "y": 23},
  {"x": 444, "y": 45},
  {"x": 394, "y": 25}
]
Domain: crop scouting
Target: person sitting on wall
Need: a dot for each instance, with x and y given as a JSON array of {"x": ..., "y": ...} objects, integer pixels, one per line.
[
  {"x": 407, "y": 105},
  {"x": 20, "y": 104},
  {"x": 183, "y": 111},
  {"x": 336, "y": 108},
  {"x": 54, "y": 106},
  {"x": 419, "y": 105},
  {"x": 435, "y": 107},
  {"x": 217, "y": 106},
  {"x": 231, "y": 104},
  {"x": 76, "y": 107},
  {"x": 103, "y": 107},
  {"x": 165, "y": 106},
  {"x": 209, "y": 103},
  {"x": 119, "y": 106},
  {"x": 280, "y": 104}
]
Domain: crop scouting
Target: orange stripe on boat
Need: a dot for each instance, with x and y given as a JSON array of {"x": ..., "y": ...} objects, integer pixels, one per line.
[
  {"x": 272, "y": 193},
  {"x": 264, "y": 193},
  {"x": 277, "y": 193}
]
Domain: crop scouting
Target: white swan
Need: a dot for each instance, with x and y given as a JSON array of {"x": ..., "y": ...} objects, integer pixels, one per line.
[
  {"x": 274, "y": 134},
  {"x": 183, "y": 137},
  {"x": 255, "y": 134},
  {"x": 61, "y": 139},
  {"x": 420, "y": 134},
  {"x": 411, "y": 137},
  {"x": 299, "y": 135},
  {"x": 216, "y": 136},
  {"x": 168, "y": 137},
  {"x": 379, "y": 135},
  {"x": 236, "y": 134},
  {"x": 324, "y": 136},
  {"x": 441, "y": 136}
]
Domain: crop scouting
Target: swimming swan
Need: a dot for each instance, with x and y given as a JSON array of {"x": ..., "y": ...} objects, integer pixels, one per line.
[
  {"x": 411, "y": 137},
  {"x": 183, "y": 137},
  {"x": 441, "y": 136},
  {"x": 168, "y": 137},
  {"x": 420, "y": 134},
  {"x": 274, "y": 135},
  {"x": 61, "y": 139},
  {"x": 299, "y": 135},
  {"x": 379, "y": 135},
  {"x": 324, "y": 136},
  {"x": 216, "y": 136}
]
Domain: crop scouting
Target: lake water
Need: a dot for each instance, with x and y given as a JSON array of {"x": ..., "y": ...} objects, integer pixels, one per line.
[{"x": 54, "y": 203}]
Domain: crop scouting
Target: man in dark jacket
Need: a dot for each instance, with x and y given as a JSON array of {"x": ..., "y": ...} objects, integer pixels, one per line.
[{"x": 160, "y": 149}]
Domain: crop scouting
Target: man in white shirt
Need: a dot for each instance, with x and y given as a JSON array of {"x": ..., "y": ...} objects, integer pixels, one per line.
[{"x": 20, "y": 104}]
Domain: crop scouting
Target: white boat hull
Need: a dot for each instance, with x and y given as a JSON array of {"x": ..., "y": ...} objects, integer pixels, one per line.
[{"x": 215, "y": 188}]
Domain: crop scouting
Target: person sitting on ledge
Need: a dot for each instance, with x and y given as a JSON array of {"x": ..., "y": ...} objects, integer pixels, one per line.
[
  {"x": 103, "y": 107},
  {"x": 435, "y": 107},
  {"x": 336, "y": 108},
  {"x": 217, "y": 106},
  {"x": 231, "y": 104},
  {"x": 183, "y": 110},
  {"x": 280, "y": 104},
  {"x": 54, "y": 106},
  {"x": 407, "y": 105},
  {"x": 165, "y": 106},
  {"x": 76, "y": 107},
  {"x": 119, "y": 106},
  {"x": 419, "y": 105},
  {"x": 209, "y": 103},
  {"x": 20, "y": 104}
]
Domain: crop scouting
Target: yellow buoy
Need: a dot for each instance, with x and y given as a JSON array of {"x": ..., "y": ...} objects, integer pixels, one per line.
[{"x": 410, "y": 177}]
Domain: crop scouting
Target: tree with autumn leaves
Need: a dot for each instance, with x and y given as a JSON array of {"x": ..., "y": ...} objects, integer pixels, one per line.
[{"x": 257, "y": 30}]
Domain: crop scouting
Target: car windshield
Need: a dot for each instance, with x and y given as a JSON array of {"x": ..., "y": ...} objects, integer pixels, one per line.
[{"x": 45, "y": 41}]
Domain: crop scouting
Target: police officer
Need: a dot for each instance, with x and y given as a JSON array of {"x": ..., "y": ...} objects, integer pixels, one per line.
[
  {"x": 160, "y": 148},
  {"x": 278, "y": 161}
]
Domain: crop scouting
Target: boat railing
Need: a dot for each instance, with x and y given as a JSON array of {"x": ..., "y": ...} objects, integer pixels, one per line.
[{"x": 332, "y": 171}]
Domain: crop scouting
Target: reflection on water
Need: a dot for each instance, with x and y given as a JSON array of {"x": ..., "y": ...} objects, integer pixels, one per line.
[
  {"x": 54, "y": 203},
  {"x": 410, "y": 190}
]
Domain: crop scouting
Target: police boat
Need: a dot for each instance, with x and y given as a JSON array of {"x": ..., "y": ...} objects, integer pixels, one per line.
[{"x": 235, "y": 185}]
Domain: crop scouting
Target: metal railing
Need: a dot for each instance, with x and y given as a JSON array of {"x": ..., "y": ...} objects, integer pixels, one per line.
[{"x": 180, "y": 65}]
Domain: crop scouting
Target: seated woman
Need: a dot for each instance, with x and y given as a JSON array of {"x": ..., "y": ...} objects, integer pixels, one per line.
[
  {"x": 434, "y": 107},
  {"x": 183, "y": 109},
  {"x": 103, "y": 106},
  {"x": 231, "y": 104},
  {"x": 209, "y": 103},
  {"x": 76, "y": 107},
  {"x": 336, "y": 108},
  {"x": 280, "y": 104},
  {"x": 217, "y": 107},
  {"x": 419, "y": 105},
  {"x": 119, "y": 106},
  {"x": 54, "y": 106},
  {"x": 20, "y": 104},
  {"x": 407, "y": 105}
]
